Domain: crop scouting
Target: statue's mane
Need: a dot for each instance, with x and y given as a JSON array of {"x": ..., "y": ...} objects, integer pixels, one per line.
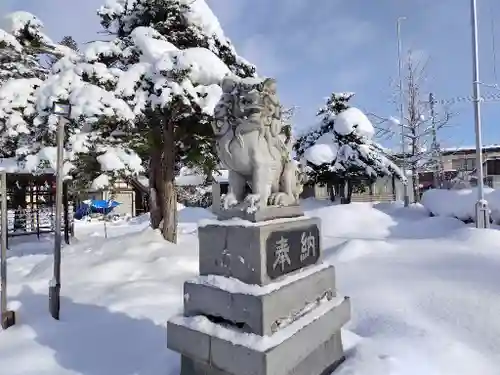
[{"x": 249, "y": 105}]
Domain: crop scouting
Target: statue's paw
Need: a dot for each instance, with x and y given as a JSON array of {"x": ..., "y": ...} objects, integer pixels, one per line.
[
  {"x": 281, "y": 199},
  {"x": 229, "y": 201},
  {"x": 253, "y": 202}
]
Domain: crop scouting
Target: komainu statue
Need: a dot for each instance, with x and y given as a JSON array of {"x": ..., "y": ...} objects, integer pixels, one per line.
[{"x": 251, "y": 144}]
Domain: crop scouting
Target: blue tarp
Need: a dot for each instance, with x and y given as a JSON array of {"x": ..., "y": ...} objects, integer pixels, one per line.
[{"x": 95, "y": 206}]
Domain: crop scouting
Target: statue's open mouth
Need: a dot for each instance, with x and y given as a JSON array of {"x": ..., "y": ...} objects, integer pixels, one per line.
[{"x": 249, "y": 142}]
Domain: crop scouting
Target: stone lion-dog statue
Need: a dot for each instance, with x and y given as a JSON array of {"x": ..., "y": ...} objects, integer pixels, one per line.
[{"x": 250, "y": 143}]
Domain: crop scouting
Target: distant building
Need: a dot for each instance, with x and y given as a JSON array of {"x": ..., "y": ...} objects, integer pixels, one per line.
[{"x": 459, "y": 167}]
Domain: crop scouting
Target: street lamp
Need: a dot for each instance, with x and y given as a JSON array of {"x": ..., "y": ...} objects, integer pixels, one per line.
[
  {"x": 401, "y": 109},
  {"x": 482, "y": 210},
  {"x": 7, "y": 318},
  {"x": 63, "y": 110}
]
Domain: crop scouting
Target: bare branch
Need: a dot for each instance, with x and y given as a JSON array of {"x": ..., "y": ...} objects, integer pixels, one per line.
[{"x": 423, "y": 119}]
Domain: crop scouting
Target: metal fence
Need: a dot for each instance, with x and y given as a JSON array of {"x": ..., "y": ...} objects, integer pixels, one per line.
[{"x": 35, "y": 221}]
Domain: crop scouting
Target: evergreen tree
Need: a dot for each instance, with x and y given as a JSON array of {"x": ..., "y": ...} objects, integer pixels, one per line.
[
  {"x": 150, "y": 91},
  {"x": 69, "y": 42},
  {"x": 22, "y": 42},
  {"x": 184, "y": 23},
  {"x": 336, "y": 103},
  {"x": 340, "y": 149}
]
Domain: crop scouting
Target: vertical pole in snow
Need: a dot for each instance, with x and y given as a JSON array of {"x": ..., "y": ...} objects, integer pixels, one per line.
[
  {"x": 401, "y": 109},
  {"x": 435, "y": 150},
  {"x": 482, "y": 210},
  {"x": 3, "y": 268},
  {"x": 55, "y": 284},
  {"x": 7, "y": 317}
]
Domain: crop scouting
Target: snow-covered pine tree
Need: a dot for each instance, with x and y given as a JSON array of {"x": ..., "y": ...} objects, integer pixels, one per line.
[
  {"x": 336, "y": 103},
  {"x": 22, "y": 42},
  {"x": 69, "y": 42},
  {"x": 185, "y": 24},
  {"x": 340, "y": 149},
  {"x": 140, "y": 91}
]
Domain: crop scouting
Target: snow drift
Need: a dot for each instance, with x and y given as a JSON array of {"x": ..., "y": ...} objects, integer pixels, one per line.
[
  {"x": 460, "y": 204},
  {"x": 425, "y": 294}
]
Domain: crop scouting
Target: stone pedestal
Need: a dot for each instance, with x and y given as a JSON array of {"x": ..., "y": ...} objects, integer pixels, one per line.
[{"x": 262, "y": 304}]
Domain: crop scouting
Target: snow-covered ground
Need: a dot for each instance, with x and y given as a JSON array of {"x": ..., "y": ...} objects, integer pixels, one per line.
[{"x": 425, "y": 295}]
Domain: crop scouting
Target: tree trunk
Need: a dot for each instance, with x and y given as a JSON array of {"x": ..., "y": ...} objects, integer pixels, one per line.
[
  {"x": 169, "y": 228},
  {"x": 350, "y": 188},
  {"x": 331, "y": 191},
  {"x": 416, "y": 185},
  {"x": 162, "y": 196},
  {"x": 156, "y": 201}
]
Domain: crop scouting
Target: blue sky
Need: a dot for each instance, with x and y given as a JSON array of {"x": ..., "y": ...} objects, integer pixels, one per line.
[{"x": 314, "y": 47}]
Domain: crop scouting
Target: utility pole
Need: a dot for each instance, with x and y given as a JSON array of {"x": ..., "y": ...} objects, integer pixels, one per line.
[
  {"x": 482, "y": 210},
  {"x": 435, "y": 146},
  {"x": 401, "y": 109}
]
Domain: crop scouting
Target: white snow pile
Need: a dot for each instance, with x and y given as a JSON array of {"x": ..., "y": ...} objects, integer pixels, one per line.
[
  {"x": 326, "y": 149},
  {"x": 461, "y": 203},
  {"x": 425, "y": 294},
  {"x": 354, "y": 120}
]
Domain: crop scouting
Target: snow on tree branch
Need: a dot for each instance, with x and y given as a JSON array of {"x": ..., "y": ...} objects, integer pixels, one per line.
[
  {"x": 189, "y": 23},
  {"x": 342, "y": 146}
]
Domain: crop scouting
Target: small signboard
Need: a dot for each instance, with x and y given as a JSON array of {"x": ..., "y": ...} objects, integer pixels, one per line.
[{"x": 288, "y": 251}]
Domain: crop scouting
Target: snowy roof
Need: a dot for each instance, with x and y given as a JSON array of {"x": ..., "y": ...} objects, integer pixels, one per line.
[
  {"x": 451, "y": 150},
  {"x": 10, "y": 165},
  {"x": 198, "y": 179},
  {"x": 194, "y": 179},
  {"x": 469, "y": 148}
]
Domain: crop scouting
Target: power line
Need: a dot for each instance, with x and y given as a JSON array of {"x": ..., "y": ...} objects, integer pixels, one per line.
[{"x": 487, "y": 98}]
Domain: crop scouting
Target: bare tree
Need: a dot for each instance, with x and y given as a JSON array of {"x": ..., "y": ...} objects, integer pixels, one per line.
[{"x": 423, "y": 119}]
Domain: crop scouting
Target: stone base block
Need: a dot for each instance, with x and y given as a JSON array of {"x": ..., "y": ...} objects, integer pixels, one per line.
[
  {"x": 258, "y": 253},
  {"x": 322, "y": 361},
  {"x": 265, "y": 214},
  {"x": 259, "y": 310},
  {"x": 294, "y": 350}
]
